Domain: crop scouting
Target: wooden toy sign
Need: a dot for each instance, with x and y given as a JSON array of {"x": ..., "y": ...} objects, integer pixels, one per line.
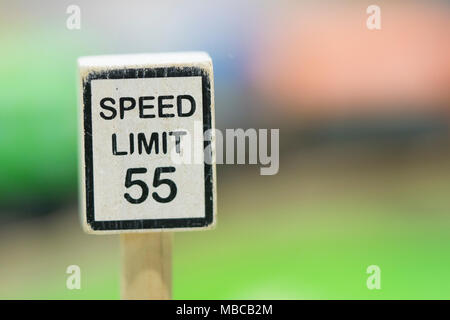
[{"x": 139, "y": 116}]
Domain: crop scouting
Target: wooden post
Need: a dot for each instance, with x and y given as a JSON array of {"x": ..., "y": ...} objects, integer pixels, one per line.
[{"x": 146, "y": 266}]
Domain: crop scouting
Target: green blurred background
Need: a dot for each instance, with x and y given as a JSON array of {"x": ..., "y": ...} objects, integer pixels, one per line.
[{"x": 364, "y": 147}]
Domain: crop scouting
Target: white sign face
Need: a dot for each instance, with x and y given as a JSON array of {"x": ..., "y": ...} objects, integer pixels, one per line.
[{"x": 143, "y": 136}]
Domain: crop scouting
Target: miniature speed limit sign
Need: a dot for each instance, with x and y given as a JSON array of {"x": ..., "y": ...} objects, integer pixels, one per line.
[{"x": 144, "y": 120}]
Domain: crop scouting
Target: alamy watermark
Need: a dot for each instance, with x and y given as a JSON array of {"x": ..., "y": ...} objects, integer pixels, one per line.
[
  {"x": 373, "y": 22},
  {"x": 73, "y": 281},
  {"x": 234, "y": 146},
  {"x": 73, "y": 21},
  {"x": 374, "y": 280}
]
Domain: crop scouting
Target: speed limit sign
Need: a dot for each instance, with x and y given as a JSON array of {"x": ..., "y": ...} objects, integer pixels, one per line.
[{"x": 145, "y": 119}]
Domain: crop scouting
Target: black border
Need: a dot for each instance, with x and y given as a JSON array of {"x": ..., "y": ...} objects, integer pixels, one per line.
[{"x": 88, "y": 152}]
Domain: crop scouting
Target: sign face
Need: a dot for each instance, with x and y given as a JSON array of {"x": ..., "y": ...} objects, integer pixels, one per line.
[{"x": 143, "y": 129}]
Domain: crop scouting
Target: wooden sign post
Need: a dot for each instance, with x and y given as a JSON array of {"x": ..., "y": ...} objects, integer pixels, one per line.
[
  {"x": 146, "y": 265},
  {"x": 147, "y": 158}
]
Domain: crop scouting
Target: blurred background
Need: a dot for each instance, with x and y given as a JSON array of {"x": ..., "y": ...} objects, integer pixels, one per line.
[{"x": 364, "y": 147}]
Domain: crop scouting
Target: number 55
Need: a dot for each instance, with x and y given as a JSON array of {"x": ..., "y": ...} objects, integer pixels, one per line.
[{"x": 157, "y": 181}]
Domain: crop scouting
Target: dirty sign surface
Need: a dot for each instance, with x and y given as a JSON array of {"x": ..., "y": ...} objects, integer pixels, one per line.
[{"x": 146, "y": 149}]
